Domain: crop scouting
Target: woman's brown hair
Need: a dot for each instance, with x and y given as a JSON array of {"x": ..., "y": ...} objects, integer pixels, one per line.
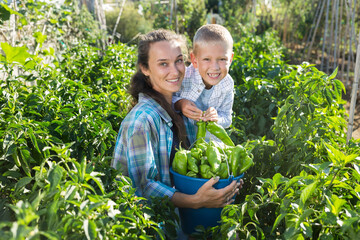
[{"x": 141, "y": 83}]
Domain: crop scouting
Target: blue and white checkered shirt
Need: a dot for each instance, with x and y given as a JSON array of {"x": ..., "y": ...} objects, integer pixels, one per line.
[
  {"x": 222, "y": 97},
  {"x": 143, "y": 148}
]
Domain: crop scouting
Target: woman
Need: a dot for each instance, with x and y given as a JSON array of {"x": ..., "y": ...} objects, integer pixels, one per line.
[{"x": 152, "y": 130}]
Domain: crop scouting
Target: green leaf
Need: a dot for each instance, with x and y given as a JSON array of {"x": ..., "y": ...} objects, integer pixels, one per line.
[
  {"x": 39, "y": 37},
  {"x": 70, "y": 192},
  {"x": 338, "y": 88},
  {"x": 303, "y": 216},
  {"x": 51, "y": 235},
  {"x": 51, "y": 214},
  {"x": 277, "y": 221},
  {"x": 90, "y": 229},
  {"x": 348, "y": 223},
  {"x": 15, "y": 54},
  {"x": 25, "y": 158},
  {"x": 333, "y": 75},
  {"x": 22, "y": 183},
  {"x": 335, "y": 204},
  {"x": 4, "y": 12},
  {"x": 328, "y": 96},
  {"x": 306, "y": 193},
  {"x": 335, "y": 155},
  {"x": 33, "y": 139},
  {"x": 55, "y": 176},
  {"x": 99, "y": 183},
  {"x": 82, "y": 170}
]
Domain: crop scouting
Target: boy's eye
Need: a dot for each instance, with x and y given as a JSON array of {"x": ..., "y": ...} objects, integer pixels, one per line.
[
  {"x": 179, "y": 61},
  {"x": 206, "y": 59}
]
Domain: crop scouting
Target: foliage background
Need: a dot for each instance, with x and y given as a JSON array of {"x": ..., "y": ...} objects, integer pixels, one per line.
[{"x": 63, "y": 97}]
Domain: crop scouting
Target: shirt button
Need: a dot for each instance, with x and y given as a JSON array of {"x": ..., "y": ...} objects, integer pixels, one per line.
[{"x": 199, "y": 90}]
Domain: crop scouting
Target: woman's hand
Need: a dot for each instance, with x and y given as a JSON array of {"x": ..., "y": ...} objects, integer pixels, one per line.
[
  {"x": 210, "y": 197},
  {"x": 207, "y": 196}
]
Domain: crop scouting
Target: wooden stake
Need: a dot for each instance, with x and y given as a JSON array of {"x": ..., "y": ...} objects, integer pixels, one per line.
[
  {"x": 354, "y": 94},
  {"x": 118, "y": 20},
  {"x": 316, "y": 27},
  {"x": 345, "y": 43},
  {"x": 325, "y": 35},
  {"x": 311, "y": 30}
]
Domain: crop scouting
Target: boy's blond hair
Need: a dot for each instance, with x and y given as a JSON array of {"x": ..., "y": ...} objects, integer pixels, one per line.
[{"x": 212, "y": 33}]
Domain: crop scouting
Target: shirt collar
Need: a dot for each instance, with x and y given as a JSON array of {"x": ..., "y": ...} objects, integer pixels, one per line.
[
  {"x": 198, "y": 78},
  {"x": 160, "y": 110}
]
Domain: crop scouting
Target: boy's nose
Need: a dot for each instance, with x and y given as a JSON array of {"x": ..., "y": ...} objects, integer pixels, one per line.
[{"x": 215, "y": 65}]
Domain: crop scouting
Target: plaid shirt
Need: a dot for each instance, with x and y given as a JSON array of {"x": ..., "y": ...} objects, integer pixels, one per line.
[
  {"x": 143, "y": 148},
  {"x": 222, "y": 97}
]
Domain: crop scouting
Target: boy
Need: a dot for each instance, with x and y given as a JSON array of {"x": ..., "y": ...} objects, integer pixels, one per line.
[{"x": 207, "y": 91}]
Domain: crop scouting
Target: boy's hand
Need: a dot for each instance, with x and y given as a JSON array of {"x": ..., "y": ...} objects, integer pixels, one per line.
[
  {"x": 210, "y": 115},
  {"x": 189, "y": 109}
]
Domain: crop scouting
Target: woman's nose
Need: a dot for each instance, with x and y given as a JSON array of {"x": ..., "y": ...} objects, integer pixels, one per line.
[{"x": 175, "y": 69}]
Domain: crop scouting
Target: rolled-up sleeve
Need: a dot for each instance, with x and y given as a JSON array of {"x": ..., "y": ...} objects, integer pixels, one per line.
[{"x": 225, "y": 109}]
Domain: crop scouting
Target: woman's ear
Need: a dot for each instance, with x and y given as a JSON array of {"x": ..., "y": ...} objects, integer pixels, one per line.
[{"x": 144, "y": 70}]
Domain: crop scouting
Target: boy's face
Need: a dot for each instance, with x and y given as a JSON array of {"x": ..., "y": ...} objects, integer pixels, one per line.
[{"x": 213, "y": 61}]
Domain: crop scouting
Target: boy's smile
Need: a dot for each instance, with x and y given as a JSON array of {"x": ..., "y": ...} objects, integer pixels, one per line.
[{"x": 213, "y": 61}]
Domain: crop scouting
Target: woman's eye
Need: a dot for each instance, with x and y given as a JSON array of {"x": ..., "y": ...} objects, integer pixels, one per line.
[{"x": 163, "y": 64}]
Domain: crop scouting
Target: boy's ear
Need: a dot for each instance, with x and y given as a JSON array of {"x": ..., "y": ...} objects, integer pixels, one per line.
[
  {"x": 193, "y": 60},
  {"x": 231, "y": 58}
]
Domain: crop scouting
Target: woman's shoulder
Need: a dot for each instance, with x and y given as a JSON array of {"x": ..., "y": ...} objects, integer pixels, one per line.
[
  {"x": 142, "y": 110},
  {"x": 141, "y": 114}
]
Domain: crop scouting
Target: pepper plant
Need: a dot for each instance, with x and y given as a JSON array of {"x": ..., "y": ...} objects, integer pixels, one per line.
[{"x": 57, "y": 133}]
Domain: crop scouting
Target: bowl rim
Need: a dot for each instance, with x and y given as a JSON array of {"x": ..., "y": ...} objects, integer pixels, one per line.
[{"x": 230, "y": 178}]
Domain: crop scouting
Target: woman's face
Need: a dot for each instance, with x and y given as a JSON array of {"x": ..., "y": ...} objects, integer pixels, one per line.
[{"x": 166, "y": 67}]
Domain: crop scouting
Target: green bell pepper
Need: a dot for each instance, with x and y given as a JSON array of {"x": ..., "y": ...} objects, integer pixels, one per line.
[
  {"x": 214, "y": 158},
  {"x": 192, "y": 164},
  {"x": 196, "y": 153},
  {"x": 204, "y": 160},
  {"x": 205, "y": 171},
  {"x": 202, "y": 147},
  {"x": 191, "y": 174},
  {"x": 180, "y": 162},
  {"x": 201, "y": 132},
  {"x": 223, "y": 171},
  {"x": 219, "y": 132},
  {"x": 245, "y": 163},
  {"x": 236, "y": 155}
]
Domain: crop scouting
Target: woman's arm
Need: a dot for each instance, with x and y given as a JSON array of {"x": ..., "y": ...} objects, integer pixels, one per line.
[{"x": 142, "y": 143}]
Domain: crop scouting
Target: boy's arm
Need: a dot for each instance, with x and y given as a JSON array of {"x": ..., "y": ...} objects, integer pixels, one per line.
[
  {"x": 225, "y": 110},
  {"x": 176, "y": 97},
  {"x": 188, "y": 109}
]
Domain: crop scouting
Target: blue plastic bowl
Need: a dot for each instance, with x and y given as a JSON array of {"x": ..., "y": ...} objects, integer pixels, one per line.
[{"x": 207, "y": 217}]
